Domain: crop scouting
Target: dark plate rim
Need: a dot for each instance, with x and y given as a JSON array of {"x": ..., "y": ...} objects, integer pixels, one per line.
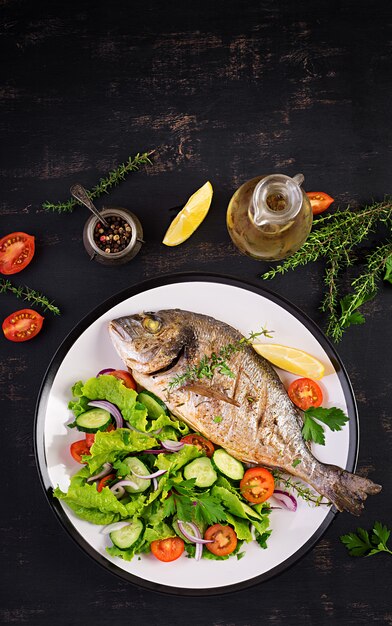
[{"x": 70, "y": 339}]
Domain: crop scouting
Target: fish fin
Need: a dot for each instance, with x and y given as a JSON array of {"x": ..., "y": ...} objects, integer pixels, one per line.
[
  {"x": 209, "y": 392},
  {"x": 345, "y": 490}
]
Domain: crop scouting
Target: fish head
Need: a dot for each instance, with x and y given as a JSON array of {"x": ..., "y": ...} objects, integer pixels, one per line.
[{"x": 150, "y": 342}]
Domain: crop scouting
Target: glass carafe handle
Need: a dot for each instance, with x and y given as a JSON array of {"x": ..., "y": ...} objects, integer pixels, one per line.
[{"x": 299, "y": 179}]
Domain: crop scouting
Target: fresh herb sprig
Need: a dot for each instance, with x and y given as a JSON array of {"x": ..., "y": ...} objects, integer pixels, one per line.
[
  {"x": 217, "y": 362},
  {"x": 336, "y": 237},
  {"x": 190, "y": 505},
  {"x": 361, "y": 544},
  {"x": 334, "y": 418},
  {"x": 32, "y": 296},
  {"x": 305, "y": 493},
  {"x": 105, "y": 184}
]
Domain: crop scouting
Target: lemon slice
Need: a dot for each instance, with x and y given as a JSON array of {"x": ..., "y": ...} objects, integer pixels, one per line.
[
  {"x": 190, "y": 217},
  {"x": 290, "y": 359}
]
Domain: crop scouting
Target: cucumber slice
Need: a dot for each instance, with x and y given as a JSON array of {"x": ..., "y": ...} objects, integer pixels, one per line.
[
  {"x": 201, "y": 469},
  {"x": 155, "y": 407},
  {"x": 126, "y": 537},
  {"x": 141, "y": 483},
  {"x": 228, "y": 465},
  {"x": 93, "y": 421}
]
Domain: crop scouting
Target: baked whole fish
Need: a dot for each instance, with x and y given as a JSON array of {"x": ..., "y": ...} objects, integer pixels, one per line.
[{"x": 259, "y": 425}]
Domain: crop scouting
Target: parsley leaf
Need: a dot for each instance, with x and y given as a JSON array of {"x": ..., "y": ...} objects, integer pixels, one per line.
[
  {"x": 169, "y": 506},
  {"x": 240, "y": 555},
  {"x": 360, "y": 544},
  {"x": 194, "y": 506},
  {"x": 334, "y": 418},
  {"x": 218, "y": 419},
  {"x": 262, "y": 538},
  {"x": 296, "y": 462}
]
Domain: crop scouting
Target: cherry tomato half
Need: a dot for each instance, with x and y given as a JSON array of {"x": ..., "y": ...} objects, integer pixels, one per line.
[
  {"x": 78, "y": 449},
  {"x": 125, "y": 377},
  {"x": 305, "y": 393},
  {"x": 104, "y": 481},
  {"x": 225, "y": 539},
  {"x": 257, "y": 485},
  {"x": 201, "y": 443},
  {"x": 16, "y": 251},
  {"x": 90, "y": 437},
  {"x": 319, "y": 200},
  {"x": 22, "y": 325},
  {"x": 167, "y": 549}
]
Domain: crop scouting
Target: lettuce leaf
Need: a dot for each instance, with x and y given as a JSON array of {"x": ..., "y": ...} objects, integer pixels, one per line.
[
  {"x": 190, "y": 548},
  {"x": 139, "y": 546},
  {"x": 177, "y": 460},
  {"x": 109, "y": 446},
  {"x": 241, "y": 527}
]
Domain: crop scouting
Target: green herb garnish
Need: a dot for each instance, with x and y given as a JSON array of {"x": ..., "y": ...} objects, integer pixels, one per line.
[
  {"x": 240, "y": 555},
  {"x": 32, "y": 296},
  {"x": 191, "y": 505},
  {"x": 333, "y": 418},
  {"x": 296, "y": 462},
  {"x": 336, "y": 237},
  {"x": 261, "y": 538},
  {"x": 217, "y": 362},
  {"x": 105, "y": 184},
  {"x": 305, "y": 493},
  {"x": 360, "y": 544},
  {"x": 218, "y": 419}
]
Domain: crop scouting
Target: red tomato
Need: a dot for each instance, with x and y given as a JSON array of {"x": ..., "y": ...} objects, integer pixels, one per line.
[
  {"x": 16, "y": 251},
  {"x": 78, "y": 449},
  {"x": 201, "y": 443},
  {"x": 104, "y": 481},
  {"x": 167, "y": 549},
  {"x": 305, "y": 393},
  {"x": 90, "y": 437},
  {"x": 126, "y": 378},
  {"x": 22, "y": 325},
  {"x": 320, "y": 201},
  {"x": 225, "y": 539},
  {"x": 257, "y": 485}
]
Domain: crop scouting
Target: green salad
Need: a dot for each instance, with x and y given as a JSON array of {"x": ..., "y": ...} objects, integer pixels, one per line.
[{"x": 151, "y": 483}]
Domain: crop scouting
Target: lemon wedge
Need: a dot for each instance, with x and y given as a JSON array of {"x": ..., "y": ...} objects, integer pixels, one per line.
[
  {"x": 290, "y": 359},
  {"x": 190, "y": 217}
]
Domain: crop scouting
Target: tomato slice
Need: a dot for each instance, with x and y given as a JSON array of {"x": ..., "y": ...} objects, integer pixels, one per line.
[
  {"x": 104, "y": 481},
  {"x": 90, "y": 437},
  {"x": 167, "y": 549},
  {"x": 16, "y": 251},
  {"x": 257, "y": 485},
  {"x": 304, "y": 392},
  {"x": 78, "y": 449},
  {"x": 320, "y": 201},
  {"x": 201, "y": 443},
  {"x": 126, "y": 378},
  {"x": 22, "y": 325},
  {"x": 225, "y": 539}
]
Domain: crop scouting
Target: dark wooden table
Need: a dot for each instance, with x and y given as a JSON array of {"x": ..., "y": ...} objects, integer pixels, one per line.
[{"x": 221, "y": 91}]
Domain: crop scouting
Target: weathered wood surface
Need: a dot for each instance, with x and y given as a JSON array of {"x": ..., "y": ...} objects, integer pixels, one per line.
[{"x": 222, "y": 91}]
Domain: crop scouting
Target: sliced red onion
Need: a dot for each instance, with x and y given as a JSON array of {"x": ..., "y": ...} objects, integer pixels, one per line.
[
  {"x": 172, "y": 446},
  {"x": 118, "y": 491},
  {"x": 142, "y": 432},
  {"x": 111, "y": 408},
  {"x": 105, "y": 371},
  {"x": 196, "y": 537},
  {"x": 154, "y": 484},
  {"x": 161, "y": 451},
  {"x": 150, "y": 476},
  {"x": 107, "y": 468},
  {"x": 118, "y": 488},
  {"x": 110, "y": 528},
  {"x": 198, "y": 551},
  {"x": 285, "y": 498}
]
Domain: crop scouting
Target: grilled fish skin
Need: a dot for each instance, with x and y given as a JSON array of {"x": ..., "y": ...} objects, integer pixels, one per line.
[{"x": 259, "y": 425}]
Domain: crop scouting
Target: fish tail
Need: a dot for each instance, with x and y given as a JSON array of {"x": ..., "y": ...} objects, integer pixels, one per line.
[{"x": 346, "y": 491}]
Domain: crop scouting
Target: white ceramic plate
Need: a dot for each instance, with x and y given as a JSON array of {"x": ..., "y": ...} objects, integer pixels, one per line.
[{"x": 88, "y": 349}]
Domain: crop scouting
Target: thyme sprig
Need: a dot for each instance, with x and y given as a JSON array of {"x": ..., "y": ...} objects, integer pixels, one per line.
[
  {"x": 105, "y": 184},
  {"x": 208, "y": 365},
  {"x": 303, "y": 492},
  {"x": 335, "y": 237},
  {"x": 32, "y": 296}
]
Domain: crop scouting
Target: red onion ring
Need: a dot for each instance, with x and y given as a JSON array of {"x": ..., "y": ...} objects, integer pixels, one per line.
[
  {"x": 154, "y": 484},
  {"x": 107, "y": 468},
  {"x": 118, "y": 489},
  {"x": 161, "y": 451},
  {"x": 196, "y": 538},
  {"x": 105, "y": 371},
  {"x": 285, "y": 498},
  {"x": 110, "y": 408},
  {"x": 172, "y": 446},
  {"x": 115, "y": 526},
  {"x": 198, "y": 551},
  {"x": 150, "y": 476}
]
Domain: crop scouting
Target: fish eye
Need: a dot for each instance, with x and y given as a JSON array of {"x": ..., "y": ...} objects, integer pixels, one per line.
[{"x": 152, "y": 324}]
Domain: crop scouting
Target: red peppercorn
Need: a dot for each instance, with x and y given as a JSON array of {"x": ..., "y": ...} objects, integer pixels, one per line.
[{"x": 102, "y": 238}]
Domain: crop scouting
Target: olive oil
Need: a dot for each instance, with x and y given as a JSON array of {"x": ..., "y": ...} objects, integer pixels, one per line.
[{"x": 270, "y": 217}]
